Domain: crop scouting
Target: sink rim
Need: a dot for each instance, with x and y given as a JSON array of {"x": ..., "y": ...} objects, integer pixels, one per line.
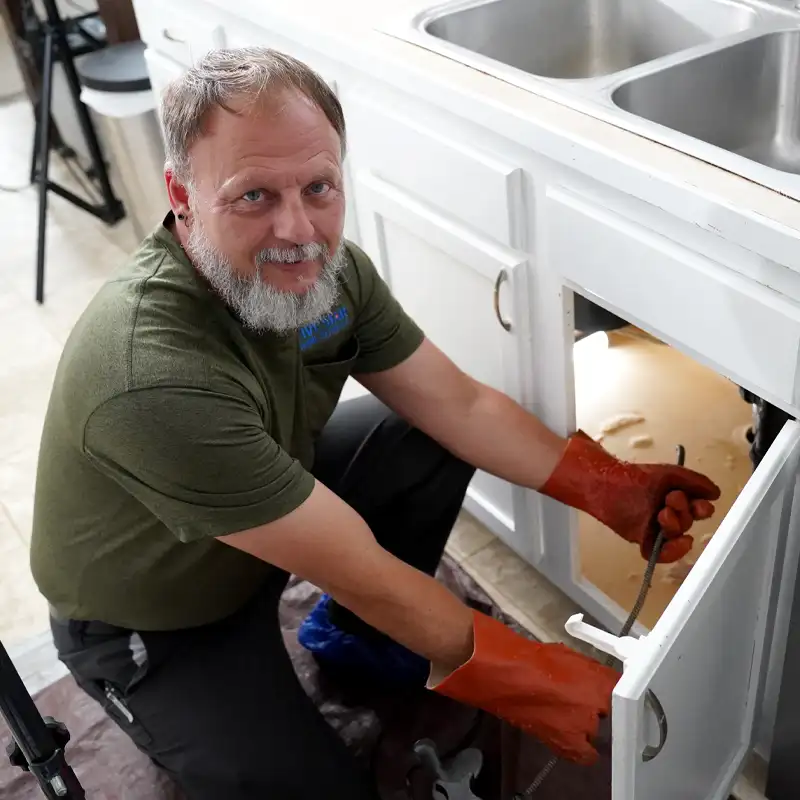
[
  {"x": 413, "y": 28},
  {"x": 624, "y": 78},
  {"x": 427, "y": 16},
  {"x": 612, "y": 91},
  {"x": 592, "y": 96}
]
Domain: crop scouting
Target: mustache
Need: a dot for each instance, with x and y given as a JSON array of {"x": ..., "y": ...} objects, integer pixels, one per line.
[{"x": 292, "y": 255}]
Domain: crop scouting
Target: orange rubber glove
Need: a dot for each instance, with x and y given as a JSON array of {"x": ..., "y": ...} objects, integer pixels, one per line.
[
  {"x": 634, "y": 500},
  {"x": 547, "y": 690}
]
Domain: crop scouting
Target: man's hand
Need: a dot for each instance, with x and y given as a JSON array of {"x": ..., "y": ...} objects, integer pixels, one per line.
[
  {"x": 547, "y": 690},
  {"x": 634, "y": 500}
]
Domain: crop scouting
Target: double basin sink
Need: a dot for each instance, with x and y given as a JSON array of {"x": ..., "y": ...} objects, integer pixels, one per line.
[{"x": 719, "y": 79}]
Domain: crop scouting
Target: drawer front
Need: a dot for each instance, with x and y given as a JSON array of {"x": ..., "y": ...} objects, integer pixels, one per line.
[
  {"x": 476, "y": 188},
  {"x": 179, "y": 30},
  {"x": 744, "y": 330}
]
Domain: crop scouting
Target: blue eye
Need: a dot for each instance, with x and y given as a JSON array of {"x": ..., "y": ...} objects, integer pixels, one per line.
[
  {"x": 318, "y": 188},
  {"x": 253, "y": 196}
]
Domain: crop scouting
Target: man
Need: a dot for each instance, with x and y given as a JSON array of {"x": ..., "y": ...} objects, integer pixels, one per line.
[{"x": 194, "y": 456}]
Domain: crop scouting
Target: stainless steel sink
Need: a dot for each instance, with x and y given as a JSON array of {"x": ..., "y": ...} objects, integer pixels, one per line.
[
  {"x": 716, "y": 79},
  {"x": 574, "y": 39},
  {"x": 744, "y": 99}
]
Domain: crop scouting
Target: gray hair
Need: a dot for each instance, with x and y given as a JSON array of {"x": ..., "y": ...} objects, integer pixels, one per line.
[{"x": 222, "y": 76}]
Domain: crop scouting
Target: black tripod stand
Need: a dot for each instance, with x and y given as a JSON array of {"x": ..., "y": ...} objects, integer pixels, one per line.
[
  {"x": 39, "y": 742},
  {"x": 55, "y": 47}
]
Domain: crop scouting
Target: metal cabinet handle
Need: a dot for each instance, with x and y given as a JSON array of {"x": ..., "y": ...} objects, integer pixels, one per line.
[
  {"x": 501, "y": 277},
  {"x": 650, "y": 752},
  {"x": 170, "y": 38}
]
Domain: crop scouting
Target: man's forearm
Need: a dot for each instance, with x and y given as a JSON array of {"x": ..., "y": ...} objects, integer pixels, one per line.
[
  {"x": 495, "y": 434},
  {"x": 485, "y": 428},
  {"x": 329, "y": 544}
]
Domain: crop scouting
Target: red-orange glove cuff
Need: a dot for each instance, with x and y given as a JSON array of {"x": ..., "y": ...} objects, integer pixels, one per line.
[{"x": 547, "y": 690}]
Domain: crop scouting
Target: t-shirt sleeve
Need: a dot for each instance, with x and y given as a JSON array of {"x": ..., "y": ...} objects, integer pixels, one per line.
[
  {"x": 386, "y": 334},
  {"x": 200, "y": 461}
]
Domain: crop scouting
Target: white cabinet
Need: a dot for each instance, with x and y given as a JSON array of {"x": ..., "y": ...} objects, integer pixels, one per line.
[
  {"x": 437, "y": 164},
  {"x": 482, "y": 247},
  {"x": 713, "y": 657},
  {"x": 440, "y": 221},
  {"x": 720, "y": 318}
]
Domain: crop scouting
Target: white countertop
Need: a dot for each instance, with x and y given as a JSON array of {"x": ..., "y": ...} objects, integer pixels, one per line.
[{"x": 751, "y": 216}]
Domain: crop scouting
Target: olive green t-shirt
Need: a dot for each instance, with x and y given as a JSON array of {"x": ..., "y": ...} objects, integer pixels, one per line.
[{"x": 170, "y": 424}]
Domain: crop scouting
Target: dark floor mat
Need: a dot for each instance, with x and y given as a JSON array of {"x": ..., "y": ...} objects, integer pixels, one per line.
[{"x": 379, "y": 727}]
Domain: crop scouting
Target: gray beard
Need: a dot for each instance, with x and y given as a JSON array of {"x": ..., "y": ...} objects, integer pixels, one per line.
[{"x": 258, "y": 305}]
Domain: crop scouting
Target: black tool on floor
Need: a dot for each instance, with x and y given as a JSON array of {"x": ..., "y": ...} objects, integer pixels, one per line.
[
  {"x": 38, "y": 742},
  {"x": 53, "y": 42}
]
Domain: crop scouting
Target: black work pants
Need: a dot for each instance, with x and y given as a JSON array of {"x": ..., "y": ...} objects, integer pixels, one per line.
[{"x": 220, "y": 707}]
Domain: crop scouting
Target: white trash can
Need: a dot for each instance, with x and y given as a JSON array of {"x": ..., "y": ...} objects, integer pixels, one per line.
[{"x": 116, "y": 89}]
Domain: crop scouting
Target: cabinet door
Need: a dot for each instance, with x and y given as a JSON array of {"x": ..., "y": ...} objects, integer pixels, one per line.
[
  {"x": 468, "y": 295},
  {"x": 705, "y": 658}
]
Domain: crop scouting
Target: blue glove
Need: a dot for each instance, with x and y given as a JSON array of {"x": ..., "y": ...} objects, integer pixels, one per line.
[{"x": 382, "y": 661}]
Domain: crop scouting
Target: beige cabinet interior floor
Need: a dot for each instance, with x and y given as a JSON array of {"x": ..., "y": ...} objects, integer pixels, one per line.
[{"x": 680, "y": 402}]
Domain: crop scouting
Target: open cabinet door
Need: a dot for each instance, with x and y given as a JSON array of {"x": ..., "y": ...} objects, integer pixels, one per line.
[{"x": 704, "y": 658}]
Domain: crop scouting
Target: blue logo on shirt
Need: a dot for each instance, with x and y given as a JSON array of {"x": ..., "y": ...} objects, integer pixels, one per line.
[{"x": 324, "y": 328}]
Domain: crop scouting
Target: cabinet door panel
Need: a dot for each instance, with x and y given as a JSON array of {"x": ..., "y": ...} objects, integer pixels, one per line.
[
  {"x": 446, "y": 278},
  {"x": 705, "y": 657}
]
